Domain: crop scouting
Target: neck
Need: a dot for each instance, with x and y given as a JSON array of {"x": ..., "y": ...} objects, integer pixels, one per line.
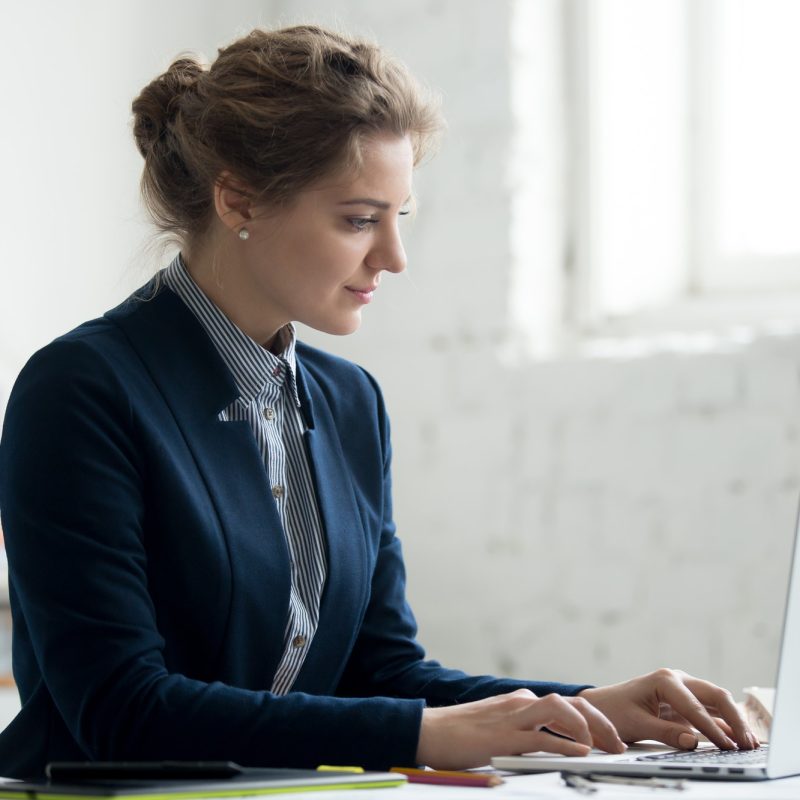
[{"x": 225, "y": 280}]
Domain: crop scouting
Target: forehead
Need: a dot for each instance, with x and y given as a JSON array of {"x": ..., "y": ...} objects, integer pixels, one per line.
[{"x": 385, "y": 173}]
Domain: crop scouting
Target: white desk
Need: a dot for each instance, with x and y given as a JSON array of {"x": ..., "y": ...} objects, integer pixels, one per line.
[{"x": 549, "y": 785}]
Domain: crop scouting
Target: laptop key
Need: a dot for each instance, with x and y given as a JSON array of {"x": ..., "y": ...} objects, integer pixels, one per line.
[{"x": 711, "y": 756}]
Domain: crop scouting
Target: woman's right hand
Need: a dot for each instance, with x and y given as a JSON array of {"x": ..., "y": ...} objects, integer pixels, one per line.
[{"x": 468, "y": 735}]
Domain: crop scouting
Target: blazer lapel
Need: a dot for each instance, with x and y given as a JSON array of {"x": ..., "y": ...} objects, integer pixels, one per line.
[
  {"x": 347, "y": 586},
  {"x": 196, "y": 385}
]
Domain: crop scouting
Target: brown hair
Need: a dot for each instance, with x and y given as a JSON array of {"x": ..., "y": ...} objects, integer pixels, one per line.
[{"x": 278, "y": 110}]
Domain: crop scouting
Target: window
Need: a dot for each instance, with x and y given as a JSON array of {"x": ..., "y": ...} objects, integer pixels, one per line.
[
  {"x": 673, "y": 165},
  {"x": 748, "y": 159}
]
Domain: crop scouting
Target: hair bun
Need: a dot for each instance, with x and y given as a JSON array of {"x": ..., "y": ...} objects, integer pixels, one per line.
[{"x": 159, "y": 102}]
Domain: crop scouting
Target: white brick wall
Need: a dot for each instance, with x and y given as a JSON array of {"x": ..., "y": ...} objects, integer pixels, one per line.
[{"x": 601, "y": 527}]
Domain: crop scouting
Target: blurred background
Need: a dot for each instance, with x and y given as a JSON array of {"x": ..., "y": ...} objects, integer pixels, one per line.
[{"x": 607, "y": 250}]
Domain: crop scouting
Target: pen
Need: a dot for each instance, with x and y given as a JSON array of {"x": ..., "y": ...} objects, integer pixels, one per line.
[
  {"x": 577, "y": 782},
  {"x": 633, "y": 780},
  {"x": 582, "y": 782},
  {"x": 448, "y": 777}
]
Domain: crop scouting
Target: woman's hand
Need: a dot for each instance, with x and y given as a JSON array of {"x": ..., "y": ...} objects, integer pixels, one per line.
[
  {"x": 468, "y": 735},
  {"x": 666, "y": 704}
]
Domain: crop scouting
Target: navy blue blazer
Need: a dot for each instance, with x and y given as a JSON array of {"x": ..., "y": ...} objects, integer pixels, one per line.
[{"x": 149, "y": 574}]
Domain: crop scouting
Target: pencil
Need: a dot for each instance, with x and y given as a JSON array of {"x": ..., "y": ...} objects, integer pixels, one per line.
[{"x": 449, "y": 778}]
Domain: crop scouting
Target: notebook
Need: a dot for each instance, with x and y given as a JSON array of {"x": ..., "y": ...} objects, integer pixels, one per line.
[
  {"x": 777, "y": 760},
  {"x": 179, "y": 780}
]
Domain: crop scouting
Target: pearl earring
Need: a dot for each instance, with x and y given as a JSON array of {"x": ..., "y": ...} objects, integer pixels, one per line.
[{"x": 244, "y": 234}]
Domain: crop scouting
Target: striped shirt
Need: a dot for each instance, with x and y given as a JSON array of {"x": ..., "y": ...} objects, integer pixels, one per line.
[{"x": 269, "y": 403}]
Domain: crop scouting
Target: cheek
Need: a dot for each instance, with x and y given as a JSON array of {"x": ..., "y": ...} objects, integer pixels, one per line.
[
  {"x": 333, "y": 263},
  {"x": 313, "y": 264}
]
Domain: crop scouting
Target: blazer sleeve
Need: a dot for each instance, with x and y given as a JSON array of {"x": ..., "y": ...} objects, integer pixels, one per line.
[
  {"x": 72, "y": 488},
  {"x": 387, "y": 658}
]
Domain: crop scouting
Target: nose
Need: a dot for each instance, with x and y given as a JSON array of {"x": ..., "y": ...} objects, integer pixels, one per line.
[{"x": 387, "y": 252}]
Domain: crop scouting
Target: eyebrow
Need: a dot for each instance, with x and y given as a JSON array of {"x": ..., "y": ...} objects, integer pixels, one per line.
[{"x": 369, "y": 201}]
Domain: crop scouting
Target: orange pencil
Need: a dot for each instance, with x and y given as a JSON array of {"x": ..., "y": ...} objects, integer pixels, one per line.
[{"x": 449, "y": 778}]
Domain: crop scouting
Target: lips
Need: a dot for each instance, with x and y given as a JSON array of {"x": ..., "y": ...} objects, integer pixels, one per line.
[
  {"x": 364, "y": 290},
  {"x": 362, "y": 294}
]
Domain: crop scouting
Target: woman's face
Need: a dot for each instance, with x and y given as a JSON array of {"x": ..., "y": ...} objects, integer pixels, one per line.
[{"x": 319, "y": 260}]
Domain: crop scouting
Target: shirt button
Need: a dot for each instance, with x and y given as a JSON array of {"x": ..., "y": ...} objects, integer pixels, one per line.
[
  {"x": 276, "y": 372},
  {"x": 298, "y": 641},
  {"x": 269, "y": 413},
  {"x": 277, "y": 491}
]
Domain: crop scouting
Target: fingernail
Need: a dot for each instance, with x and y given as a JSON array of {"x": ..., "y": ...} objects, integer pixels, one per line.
[{"x": 687, "y": 741}]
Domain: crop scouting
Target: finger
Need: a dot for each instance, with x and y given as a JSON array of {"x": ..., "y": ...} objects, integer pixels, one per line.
[
  {"x": 725, "y": 727},
  {"x": 672, "y": 716},
  {"x": 674, "y": 691},
  {"x": 542, "y": 741},
  {"x": 554, "y": 712},
  {"x": 604, "y": 734},
  {"x": 680, "y": 727},
  {"x": 670, "y": 732},
  {"x": 722, "y": 703}
]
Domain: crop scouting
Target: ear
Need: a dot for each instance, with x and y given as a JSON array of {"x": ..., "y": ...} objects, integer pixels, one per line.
[{"x": 232, "y": 201}]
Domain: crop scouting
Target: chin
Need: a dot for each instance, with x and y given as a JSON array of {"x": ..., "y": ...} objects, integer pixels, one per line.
[{"x": 338, "y": 327}]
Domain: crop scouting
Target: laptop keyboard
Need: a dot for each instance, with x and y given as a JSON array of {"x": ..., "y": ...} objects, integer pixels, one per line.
[{"x": 712, "y": 756}]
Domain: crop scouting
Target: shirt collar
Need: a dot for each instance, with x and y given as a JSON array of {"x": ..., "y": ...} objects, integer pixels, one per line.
[{"x": 254, "y": 368}]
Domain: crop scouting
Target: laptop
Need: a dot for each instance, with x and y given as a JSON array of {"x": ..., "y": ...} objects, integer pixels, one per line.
[{"x": 777, "y": 760}]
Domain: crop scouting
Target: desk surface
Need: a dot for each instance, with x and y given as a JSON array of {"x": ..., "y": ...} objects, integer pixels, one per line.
[{"x": 549, "y": 785}]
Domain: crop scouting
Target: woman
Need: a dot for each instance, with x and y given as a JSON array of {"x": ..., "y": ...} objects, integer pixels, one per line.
[{"x": 198, "y": 508}]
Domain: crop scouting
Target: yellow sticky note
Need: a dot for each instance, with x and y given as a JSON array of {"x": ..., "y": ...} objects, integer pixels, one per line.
[{"x": 328, "y": 768}]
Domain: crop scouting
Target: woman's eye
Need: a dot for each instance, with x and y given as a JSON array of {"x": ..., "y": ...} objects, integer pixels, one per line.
[{"x": 362, "y": 223}]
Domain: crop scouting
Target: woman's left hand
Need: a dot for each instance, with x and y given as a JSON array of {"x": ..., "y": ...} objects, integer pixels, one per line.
[{"x": 667, "y": 704}]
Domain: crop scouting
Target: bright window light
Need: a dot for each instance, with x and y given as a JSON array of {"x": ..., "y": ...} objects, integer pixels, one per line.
[{"x": 758, "y": 130}]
